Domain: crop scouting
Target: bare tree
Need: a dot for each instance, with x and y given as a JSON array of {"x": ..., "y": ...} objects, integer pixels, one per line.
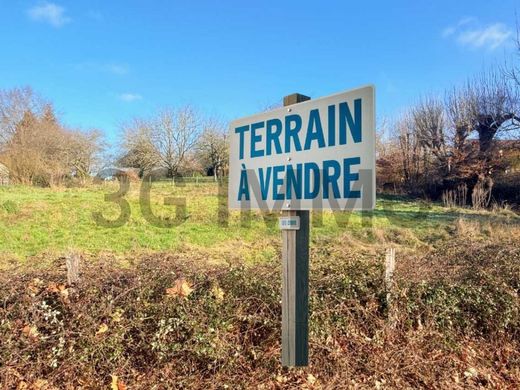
[
  {"x": 164, "y": 141},
  {"x": 460, "y": 103},
  {"x": 382, "y": 132},
  {"x": 429, "y": 125},
  {"x": 410, "y": 151},
  {"x": 213, "y": 148},
  {"x": 138, "y": 149},
  {"x": 84, "y": 148},
  {"x": 40, "y": 150},
  {"x": 388, "y": 159},
  {"x": 18, "y": 152},
  {"x": 463, "y": 160},
  {"x": 495, "y": 104},
  {"x": 14, "y": 103},
  {"x": 447, "y": 145},
  {"x": 485, "y": 106}
]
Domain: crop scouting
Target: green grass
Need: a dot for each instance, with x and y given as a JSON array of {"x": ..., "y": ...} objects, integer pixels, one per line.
[{"x": 34, "y": 221}]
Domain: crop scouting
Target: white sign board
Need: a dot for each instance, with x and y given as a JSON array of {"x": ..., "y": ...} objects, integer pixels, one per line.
[
  {"x": 290, "y": 223},
  {"x": 319, "y": 154}
]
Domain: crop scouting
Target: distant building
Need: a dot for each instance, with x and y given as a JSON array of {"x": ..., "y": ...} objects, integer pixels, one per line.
[{"x": 4, "y": 175}]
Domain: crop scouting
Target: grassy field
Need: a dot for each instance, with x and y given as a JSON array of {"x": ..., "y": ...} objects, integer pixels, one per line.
[
  {"x": 453, "y": 320},
  {"x": 34, "y": 221}
]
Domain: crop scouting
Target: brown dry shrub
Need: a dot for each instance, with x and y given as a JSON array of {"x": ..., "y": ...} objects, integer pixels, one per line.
[{"x": 132, "y": 322}]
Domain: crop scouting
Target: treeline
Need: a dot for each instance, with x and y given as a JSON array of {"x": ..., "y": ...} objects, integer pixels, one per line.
[
  {"x": 37, "y": 147},
  {"x": 461, "y": 147},
  {"x": 457, "y": 146}
]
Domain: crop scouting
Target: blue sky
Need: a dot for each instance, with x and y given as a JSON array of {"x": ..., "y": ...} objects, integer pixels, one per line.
[{"x": 102, "y": 62}]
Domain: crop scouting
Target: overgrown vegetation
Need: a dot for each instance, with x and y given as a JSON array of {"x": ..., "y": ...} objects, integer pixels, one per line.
[
  {"x": 173, "y": 320},
  {"x": 455, "y": 147}
]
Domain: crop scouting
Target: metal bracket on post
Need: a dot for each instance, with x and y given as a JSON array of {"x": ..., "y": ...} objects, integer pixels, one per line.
[{"x": 295, "y": 294}]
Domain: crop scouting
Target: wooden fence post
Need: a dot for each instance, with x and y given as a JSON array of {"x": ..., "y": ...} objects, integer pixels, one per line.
[
  {"x": 295, "y": 285},
  {"x": 389, "y": 281},
  {"x": 72, "y": 264}
]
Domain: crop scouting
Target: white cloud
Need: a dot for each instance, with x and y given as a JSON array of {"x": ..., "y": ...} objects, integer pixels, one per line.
[
  {"x": 490, "y": 37},
  {"x": 467, "y": 32},
  {"x": 452, "y": 29},
  {"x": 49, "y": 13},
  {"x": 130, "y": 97}
]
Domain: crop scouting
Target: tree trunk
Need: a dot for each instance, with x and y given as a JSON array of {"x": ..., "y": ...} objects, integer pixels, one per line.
[{"x": 485, "y": 138}]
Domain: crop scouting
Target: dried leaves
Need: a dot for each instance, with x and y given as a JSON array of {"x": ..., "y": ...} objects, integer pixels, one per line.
[
  {"x": 181, "y": 288},
  {"x": 39, "y": 384},
  {"x": 37, "y": 286},
  {"x": 117, "y": 384},
  {"x": 60, "y": 289},
  {"x": 31, "y": 332},
  {"x": 103, "y": 328}
]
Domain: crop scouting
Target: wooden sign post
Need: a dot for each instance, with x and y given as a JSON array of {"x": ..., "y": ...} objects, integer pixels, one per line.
[
  {"x": 295, "y": 284},
  {"x": 314, "y": 154}
]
